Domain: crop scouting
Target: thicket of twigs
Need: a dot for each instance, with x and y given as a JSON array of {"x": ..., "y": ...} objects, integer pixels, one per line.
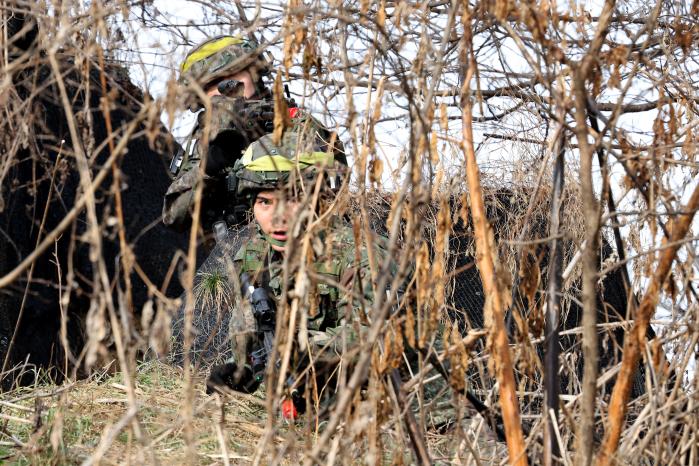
[{"x": 579, "y": 123}]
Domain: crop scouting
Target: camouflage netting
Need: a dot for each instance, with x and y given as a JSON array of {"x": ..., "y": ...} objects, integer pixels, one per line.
[
  {"x": 210, "y": 318},
  {"x": 40, "y": 184},
  {"x": 510, "y": 215}
]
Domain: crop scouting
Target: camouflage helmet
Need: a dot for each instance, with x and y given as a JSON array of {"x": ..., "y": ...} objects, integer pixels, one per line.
[
  {"x": 219, "y": 57},
  {"x": 299, "y": 157}
]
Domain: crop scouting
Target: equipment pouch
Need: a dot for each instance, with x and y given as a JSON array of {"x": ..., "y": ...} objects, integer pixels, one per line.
[{"x": 176, "y": 161}]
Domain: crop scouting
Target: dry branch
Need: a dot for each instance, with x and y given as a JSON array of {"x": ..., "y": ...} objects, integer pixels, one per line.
[
  {"x": 635, "y": 340},
  {"x": 486, "y": 253},
  {"x": 582, "y": 74},
  {"x": 553, "y": 307}
]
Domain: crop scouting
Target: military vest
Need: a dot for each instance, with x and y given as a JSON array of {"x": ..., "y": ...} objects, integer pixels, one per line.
[{"x": 260, "y": 261}]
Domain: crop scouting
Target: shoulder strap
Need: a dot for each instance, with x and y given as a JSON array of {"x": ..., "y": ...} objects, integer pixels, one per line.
[{"x": 253, "y": 258}]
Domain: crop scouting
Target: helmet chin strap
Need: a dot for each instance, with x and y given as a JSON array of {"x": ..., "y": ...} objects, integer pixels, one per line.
[
  {"x": 274, "y": 242},
  {"x": 269, "y": 239}
]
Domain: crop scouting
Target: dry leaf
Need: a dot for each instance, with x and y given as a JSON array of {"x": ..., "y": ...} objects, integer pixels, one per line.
[
  {"x": 375, "y": 170},
  {"x": 281, "y": 111}
]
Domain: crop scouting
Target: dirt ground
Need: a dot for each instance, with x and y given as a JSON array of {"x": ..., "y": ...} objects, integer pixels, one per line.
[{"x": 89, "y": 422}]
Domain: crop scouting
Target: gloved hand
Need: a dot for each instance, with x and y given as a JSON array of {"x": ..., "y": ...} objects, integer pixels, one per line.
[
  {"x": 249, "y": 119},
  {"x": 229, "y": 375}
]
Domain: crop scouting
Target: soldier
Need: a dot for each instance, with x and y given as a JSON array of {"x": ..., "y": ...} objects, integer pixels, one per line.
[
  {"x": 289, "y": 187},
  {"x": 225, "y": 63},
  {"x": 230, "y": 71}
]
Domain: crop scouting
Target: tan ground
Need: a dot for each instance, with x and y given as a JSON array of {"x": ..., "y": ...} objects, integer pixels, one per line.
[
  {"x": 89, "y": 421},
  {"x": 65, "y": 424}
]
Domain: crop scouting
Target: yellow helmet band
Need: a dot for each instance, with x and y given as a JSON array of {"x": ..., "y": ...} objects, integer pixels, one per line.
[{"x": 210, "y": 48}]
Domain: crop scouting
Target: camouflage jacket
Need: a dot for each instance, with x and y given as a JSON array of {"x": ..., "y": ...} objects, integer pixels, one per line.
[
  {"x": 340, "y": 291},
  {"x": 235, "y": 124}
]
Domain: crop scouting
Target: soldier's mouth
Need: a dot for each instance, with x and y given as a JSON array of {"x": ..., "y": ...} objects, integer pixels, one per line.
[{"x": 279, "y": 235}]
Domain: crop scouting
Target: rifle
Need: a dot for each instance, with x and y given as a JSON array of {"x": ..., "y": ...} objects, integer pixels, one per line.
[
  {"x": 264, "y": 310},
  {"x": 237, "y": 122},
  {"x": 248, "y": 378},
  {"x": 249, "y": 118},
  {"x": 259, "y": 113}
]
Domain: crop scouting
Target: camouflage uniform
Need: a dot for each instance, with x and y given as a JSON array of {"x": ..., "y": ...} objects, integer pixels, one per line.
[
  {"x": 213, "y": 64},
  {"x": 232, "y": 129},
  {"x": 235, "y": 123},
  {"x": 334, "y": 313},
  {"x": 336, "y": 317}
]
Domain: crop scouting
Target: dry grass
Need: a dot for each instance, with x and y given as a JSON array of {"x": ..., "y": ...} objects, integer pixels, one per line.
[
  {"x": 69, "y": 423},
  {"x": 65, "y": 424}
]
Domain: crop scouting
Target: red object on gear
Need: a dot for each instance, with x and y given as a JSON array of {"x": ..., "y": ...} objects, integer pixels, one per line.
[
  {"x": 294, "y": 112},
  {"x": 289, "y": 411}
]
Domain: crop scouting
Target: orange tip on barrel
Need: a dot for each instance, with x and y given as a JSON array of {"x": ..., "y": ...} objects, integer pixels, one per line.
[{"x": 289, "y": 412}]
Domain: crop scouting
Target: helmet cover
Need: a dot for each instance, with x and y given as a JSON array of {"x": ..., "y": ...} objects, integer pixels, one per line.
[
  {"x": 220, "y": 57},
  {"x": 266, "y": 165}
]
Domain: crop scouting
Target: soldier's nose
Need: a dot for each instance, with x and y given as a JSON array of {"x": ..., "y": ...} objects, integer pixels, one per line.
[
  {"x": 279, "y": 219},
  {"x": 284, "y": 210}
]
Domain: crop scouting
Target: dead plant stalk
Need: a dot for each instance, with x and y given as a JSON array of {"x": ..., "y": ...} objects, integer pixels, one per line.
[
  {"x": 591, "y": 211},
  {"x": 635, "y": 339},
  {"x": 485, "y": 253}
]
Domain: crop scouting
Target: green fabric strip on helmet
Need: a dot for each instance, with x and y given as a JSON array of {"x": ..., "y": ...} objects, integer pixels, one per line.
[
  {"x": 210, "y": 48},
  {"x": 279, "y": 163},
  {"x": 268, "y": 164}
]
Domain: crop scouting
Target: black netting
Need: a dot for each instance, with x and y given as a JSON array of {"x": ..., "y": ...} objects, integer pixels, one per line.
[
  {"x": 465, "y": 298},
  {"x": 211, "y": 314}
]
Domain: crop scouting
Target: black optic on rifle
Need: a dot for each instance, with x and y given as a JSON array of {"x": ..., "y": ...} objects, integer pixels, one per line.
[{"x": 263, "y": 306}]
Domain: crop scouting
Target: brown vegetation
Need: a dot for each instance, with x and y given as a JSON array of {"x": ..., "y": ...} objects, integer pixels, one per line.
[{"x": 533, "y": 165}]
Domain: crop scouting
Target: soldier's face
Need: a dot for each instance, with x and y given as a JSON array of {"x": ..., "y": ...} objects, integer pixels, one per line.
[
  {"x": 245, "y": 77},
  {"x": 274, "y": 213}
]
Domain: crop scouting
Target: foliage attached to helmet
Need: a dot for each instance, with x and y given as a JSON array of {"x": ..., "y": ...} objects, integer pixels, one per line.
[
  {"x": 298, "y": 158},
  {"x": 220, "y": 57}
]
